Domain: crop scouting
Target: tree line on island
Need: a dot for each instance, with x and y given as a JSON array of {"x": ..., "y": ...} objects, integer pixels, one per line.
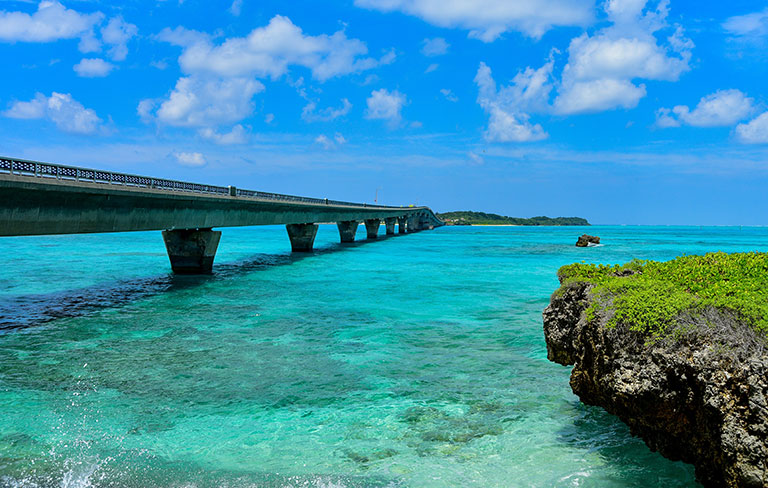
[{"x": 467, "y": 217}]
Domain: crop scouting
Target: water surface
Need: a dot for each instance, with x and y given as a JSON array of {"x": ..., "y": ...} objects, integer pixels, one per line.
[{"x": 413, "y": 361}]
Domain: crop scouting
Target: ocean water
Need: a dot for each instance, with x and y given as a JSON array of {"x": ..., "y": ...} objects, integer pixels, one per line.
[{"x": 412, "y": 361}]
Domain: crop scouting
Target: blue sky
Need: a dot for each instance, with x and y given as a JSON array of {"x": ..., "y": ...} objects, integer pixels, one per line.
[{"x": 620, "y": 111}]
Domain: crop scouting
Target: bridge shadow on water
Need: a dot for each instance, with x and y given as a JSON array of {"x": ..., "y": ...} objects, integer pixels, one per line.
[{"x": 30, "y": 310}]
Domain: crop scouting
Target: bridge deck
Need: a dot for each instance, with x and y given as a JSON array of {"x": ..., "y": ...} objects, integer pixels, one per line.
[{"x": 41, "y": 198}]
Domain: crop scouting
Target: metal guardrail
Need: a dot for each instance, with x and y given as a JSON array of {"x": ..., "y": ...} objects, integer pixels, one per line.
[{"x": 39, "y": 169}]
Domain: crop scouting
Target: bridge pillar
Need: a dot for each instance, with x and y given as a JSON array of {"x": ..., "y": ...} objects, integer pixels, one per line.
[
  {"x": 413, "y": 223},
  {"x": 390, "y": 225},
  {"x": 191, "y": 251},
  {"x": 347, "y": 230},
  {"x": 372, "y": 228},
  {"x": 401, "y": 225},
  {"x": 302, "y": 236},
  {"x": 427, "y": 224}
]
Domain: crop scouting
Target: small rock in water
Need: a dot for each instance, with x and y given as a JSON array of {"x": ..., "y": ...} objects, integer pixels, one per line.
[{"x": 586, "y": 239}]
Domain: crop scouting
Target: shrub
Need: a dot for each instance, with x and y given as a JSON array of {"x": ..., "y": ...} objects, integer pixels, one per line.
[{"x": 650, "y": 296}]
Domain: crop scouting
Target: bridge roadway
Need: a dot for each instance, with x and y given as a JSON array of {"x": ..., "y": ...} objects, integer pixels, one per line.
[{"x": 41, "y": 198}]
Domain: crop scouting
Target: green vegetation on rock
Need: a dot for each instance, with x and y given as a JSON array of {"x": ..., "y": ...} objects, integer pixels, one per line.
[
  {"x": 482, "y": 218},
  {"x": 651, "y": 296}
]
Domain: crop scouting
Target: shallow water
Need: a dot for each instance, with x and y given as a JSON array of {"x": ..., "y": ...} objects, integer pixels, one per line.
[{"x": 413, "y": 361}]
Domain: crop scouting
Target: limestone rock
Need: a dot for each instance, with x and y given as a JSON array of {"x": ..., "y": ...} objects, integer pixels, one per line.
[
  {"x": 586, "y": 239},
  {"x": 699, "y": 395}
]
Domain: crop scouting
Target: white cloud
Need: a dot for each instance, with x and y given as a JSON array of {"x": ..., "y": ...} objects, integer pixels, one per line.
[
  {"x": 309, "y": 114},
  {"x": 93, "y": 68},
  {"x": 182, "y": 37},
  {"x": 665, "y": 119},
  {"x": 117, "y": 33},
  {"x": 386, "y": 105},
  {"x": 434, "y": 47},
  {"x": 720, "y": 109},
  {"x": 488, "y": 19},
  {"x": 432, "y": 67},
  {"x": 599, "y": 95},
  {"x": 236, "y": 7},
  {"x": 475, "y": 158},
  {"x": 237, "y": 135},
  {"x": 329, "y": 143},
  {"x": 323, "y": 140},
  {"x": 507, "y": 107},
  {"x": 602, "y": 67},
  {"x": 754, "y": 132},
  {"x": 145, "y": 108},
  {"x": 192, "y": 159},
  {"x": 749, "y": 25},
  {"x": 748, "y": 35},
  {"x": 449, "y": 95},
  {"x": 269, "y": 118},
  {"x": 269, "y": 51},
  {"x": 67, "y": 113},
  {"x": 198, "y": 102},
  {"x": 51, "y": 22}
]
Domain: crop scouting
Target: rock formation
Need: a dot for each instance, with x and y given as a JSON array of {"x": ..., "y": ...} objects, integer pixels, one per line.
[
  {"x": 698, "y": 394},
  {"x": 586, "y": 239}
]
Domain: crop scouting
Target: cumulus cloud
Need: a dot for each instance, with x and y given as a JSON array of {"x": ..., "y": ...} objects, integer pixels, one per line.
[
  {"x": 117, "y": 33},
  {"x": 602, "y": 68},
  {"x": 386, "y": 105},
  {"x": 51, "y": 22},
  {"x": 192, "y": 159},
  {"x": 93, "y": 68},
  {"x": 221, "y": 76},
  {"x": 508, "y": 120},
  {"x": 311, "y": 114},
  {"x": 602, "y": 73},
  {"x": 198, "y": 102},
  {"x": 754, "y": 132},
  {"x": 720, "y": 109},
  {"x": 269, "y": 51},
  {"x": 599, "y": 95},
  {"x": 237, "y": 135},
  {"x": 67, "y": 113},
  {"x": 434, "y": 47},
  {"x": 488, "y": 19}
]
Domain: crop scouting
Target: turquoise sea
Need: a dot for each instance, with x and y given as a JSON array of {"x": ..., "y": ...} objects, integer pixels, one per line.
[{"x": 412, "y": 361}]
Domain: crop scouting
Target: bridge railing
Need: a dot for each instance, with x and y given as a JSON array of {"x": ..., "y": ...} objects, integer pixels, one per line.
[{"x": 39, "y": 169}]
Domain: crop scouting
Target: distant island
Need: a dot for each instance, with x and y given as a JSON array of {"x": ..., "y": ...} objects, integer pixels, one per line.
[{"x": 481, "y": 218}]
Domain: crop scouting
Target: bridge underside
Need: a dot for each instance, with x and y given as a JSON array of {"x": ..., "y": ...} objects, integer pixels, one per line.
[{"x": 38, "y": 206}]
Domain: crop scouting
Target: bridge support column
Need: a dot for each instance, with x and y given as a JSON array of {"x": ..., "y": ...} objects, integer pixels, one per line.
[
  {"x": 389, "y": 223},
  {"x": 302, "y": 236},
  {"x": 347, "y": 230},
  {"x": 191, "y": 251},
  {"x": 413, "y": 223},
  {"x": 401, "y": 223},
  {"x": 372, "y": 228}
]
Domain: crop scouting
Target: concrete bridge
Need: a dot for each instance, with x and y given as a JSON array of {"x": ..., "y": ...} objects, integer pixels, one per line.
[{"x": 41, "y": 198}]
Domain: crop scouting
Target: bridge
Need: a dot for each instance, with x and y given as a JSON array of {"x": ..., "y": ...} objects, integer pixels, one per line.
[{"x": 39, "y": 198}]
